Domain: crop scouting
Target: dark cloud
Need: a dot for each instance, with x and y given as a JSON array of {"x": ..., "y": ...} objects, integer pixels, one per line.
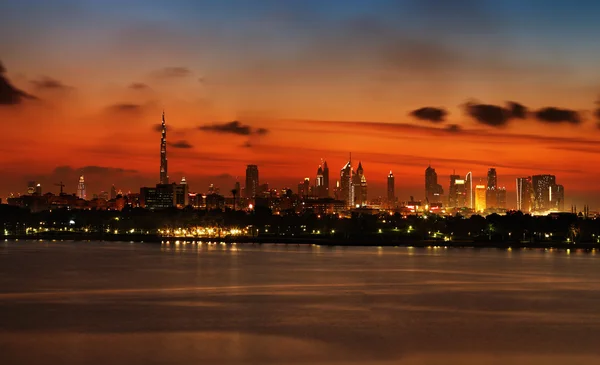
[
  {"x": 92, "y": 169},
  {"x": 173, "y": 72},
  {"x": 234, "y": 127},
  {"x": 597, "y": 112},
  {"x": 247, "y": 144},
  {"x": 158, "y": 127},
  {"x": 48, "y": 83},
  {"x": 125, "y": 108},
  {"x": 262, "y": 131},
  {"x": 430, "y": 114},
  {"x": 557, "y": 115},
  {"x": 180, "y": 144},
  {"x": 224, "y": 176},
  {"x": 495, "y": 115},
  {"x": 139, "y": 86},
  {"x": 10, "y": 95}
]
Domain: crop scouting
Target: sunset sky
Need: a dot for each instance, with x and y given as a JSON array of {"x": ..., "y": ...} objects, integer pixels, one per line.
[{"x": 285, "y": 83}]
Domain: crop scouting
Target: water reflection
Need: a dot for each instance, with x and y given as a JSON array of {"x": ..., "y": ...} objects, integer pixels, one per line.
[{"x": 192, "y": 302}]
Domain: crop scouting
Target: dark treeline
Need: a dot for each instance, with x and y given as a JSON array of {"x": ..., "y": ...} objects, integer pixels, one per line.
[{"x": 513, "y": 227}]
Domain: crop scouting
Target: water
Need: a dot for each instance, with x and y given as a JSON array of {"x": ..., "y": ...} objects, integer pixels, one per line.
[{"x": 122, "y": 303}]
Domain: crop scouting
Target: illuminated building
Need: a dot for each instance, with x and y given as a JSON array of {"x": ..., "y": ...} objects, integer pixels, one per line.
[
  {"x": 557, "y": 197},
  {"x": 304, "y": 188},
  {"x": 251, "y": 181},
  {"x": 322, "y": 182},
  {"x": 480, "y": 198},
  {"x": 391, "y": 190},
  {"x": 113, "y": 193},
  {"x": 457, "y": 192},
  {"x": 181, "y": 192},
  {"x": 81, "y": 188},
  {"x": 524, "y": 194},
  {"x": 469, "y": 190},
  {"x": 164, "y": 174},
  {"x": 492, "y": 189},
  {"x": 360, "y": 186},
  {"x": 346, "y": 186},
  {"x": 160, "y": 197},
  {"x": 501, "y": 197},
  {"x": 433, "y": 190},
  {"x": 541, "y": 191},
  {"x": 31, "y": 187}
]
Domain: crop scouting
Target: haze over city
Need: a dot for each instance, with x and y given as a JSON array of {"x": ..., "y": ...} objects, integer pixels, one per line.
[{"x": 465, "y": 86}]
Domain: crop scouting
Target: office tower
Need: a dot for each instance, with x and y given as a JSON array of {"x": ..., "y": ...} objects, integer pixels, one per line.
[
  {"x": 501, "y": 197},
  {"x": 337, "y": 191},
  {"x": 237, "y": 187},
  {"x": 164, "y": 174},
  {"x": 360, "y": 186},
  {"x": 304, "y": 188},
  {"x": 433, "y": 190},
  {"x": 160, "y": 197},
  {"x": 346, "y": 186},
  {"x": 182, "y": 194},
  {"x": 557, "y": 197},
  {"x": 469, "y": 190},
  {"x": 325, "y": 193},
  {"x": 480, "y": 198},
  {"x": 457, "y": 192},
  {"x": 320, "y": 182},
  {"x": 541, "y": 191},
  {"x": 251, "y": 181},
  {"x": 391, "y": 190},
  {"x": 524, "y": 194},
  {"x": 113, "y": 193},
  {"x": 81, "y": 188},
  {"x": 492, "y": 187}
]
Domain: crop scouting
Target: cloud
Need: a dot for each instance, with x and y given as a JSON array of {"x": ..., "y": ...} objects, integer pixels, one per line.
[
  {"x": 10, "y": 95},
  {"x": 158, "y": 127},
  {"x": 91, "y": 169},
  {"x": 557, "y": 115},
  {"x": 48, "y": 83},
  {"x": 262, "y": 131},
  {"x": 455, "y": 128},
  {"x": 180, "y": 144},
  {"x": 173, "y": 72},
  {"x": 234, "y": 127},
  {"x": 247, "y": 144},
  {"x": 125, "y": 108},
  {"x": 495, "y": 115},
  {"x": 430, "y": 114},
  {"x": 138, "y": 86}
]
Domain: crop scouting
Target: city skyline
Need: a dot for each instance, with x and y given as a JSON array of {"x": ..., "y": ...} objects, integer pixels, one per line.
[{"x": 396, "y": 100}]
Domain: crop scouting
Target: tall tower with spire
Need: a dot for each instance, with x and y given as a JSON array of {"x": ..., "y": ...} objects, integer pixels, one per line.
[
  {"x": 164, "y": 174},
  {"x": 81, "y": 188}
]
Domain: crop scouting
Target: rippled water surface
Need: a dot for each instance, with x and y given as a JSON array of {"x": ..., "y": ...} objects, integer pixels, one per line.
[{"x": 122, "y": 303}]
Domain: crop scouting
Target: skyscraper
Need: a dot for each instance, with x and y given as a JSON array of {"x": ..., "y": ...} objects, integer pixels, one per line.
[
  {"x": 251, "y": 181},
  {"x": 31, "y": 187},
  {"x": 480, "y": 198},
  {"x": 457, "y": 192},
  {"x": 469, "y": 190},
  {"x": 81, "y": 188},
  {"x": 325, "y": 193},
  {"x": 524, "y": 194},
  {"x": 360, "y": 186},
  {"x": 113, "y": 193},
  {"x": 541, "y": 191},
  {"x": 182, "y": 194},
  {"x": 322, "y": 190},
  {"x": 492, "y": 189},
  {"x": 391, "y": 190},
  {"x": 501, "y": 197},
  {"x": 346, "y": 186},
  {"x": 433, "y": 190},
  {"x": 164, "y": 174},
  {"x": 557, "y": 197}
]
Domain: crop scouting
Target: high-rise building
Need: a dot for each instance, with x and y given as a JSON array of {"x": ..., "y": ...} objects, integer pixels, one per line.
[
  {"x": 164, "y": 173},
  {"x": 391, "y": 190},
  {"x": 541, "y": 191},
  {"x": 469, "y": 190},
  {"x": 346, "y": 187},
  {"x": 557, "y": 197},
  {"x": 31, "y": 187},
  {"x": 360, "y": 186},
  {"x": 325, "y": 192},
  {"x": 251, "y": 181},
  {"x": 113, "y": 193},
  {"x": 524, "y": 194},
  {"x": 182, "y": 194},
  {"x": 160, "y": 197},
  {"x": 480, "y": 198},
  {"x": 492, "y": 189},
  {"x": 457, "y": 192},
  {"x": 81, "y": 188},
  {"x": 501, "y": 197},
  {"x": 433, "y": 190},
  {"x": 304, "y": 188},
  {"x": 320, "y": 182}
]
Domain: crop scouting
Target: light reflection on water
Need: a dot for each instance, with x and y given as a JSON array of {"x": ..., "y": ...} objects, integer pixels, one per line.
[{"x": 181, "y": 303}]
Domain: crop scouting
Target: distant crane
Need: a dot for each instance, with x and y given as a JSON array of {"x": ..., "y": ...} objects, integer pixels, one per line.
[{"x": 61, "y": 187}]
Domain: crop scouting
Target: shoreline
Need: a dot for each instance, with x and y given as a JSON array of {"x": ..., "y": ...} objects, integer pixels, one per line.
[{"x": 357, "y": 242}]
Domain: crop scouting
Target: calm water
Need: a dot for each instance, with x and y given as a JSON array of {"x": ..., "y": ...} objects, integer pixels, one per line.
[{"x": 121, "y": 303}]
